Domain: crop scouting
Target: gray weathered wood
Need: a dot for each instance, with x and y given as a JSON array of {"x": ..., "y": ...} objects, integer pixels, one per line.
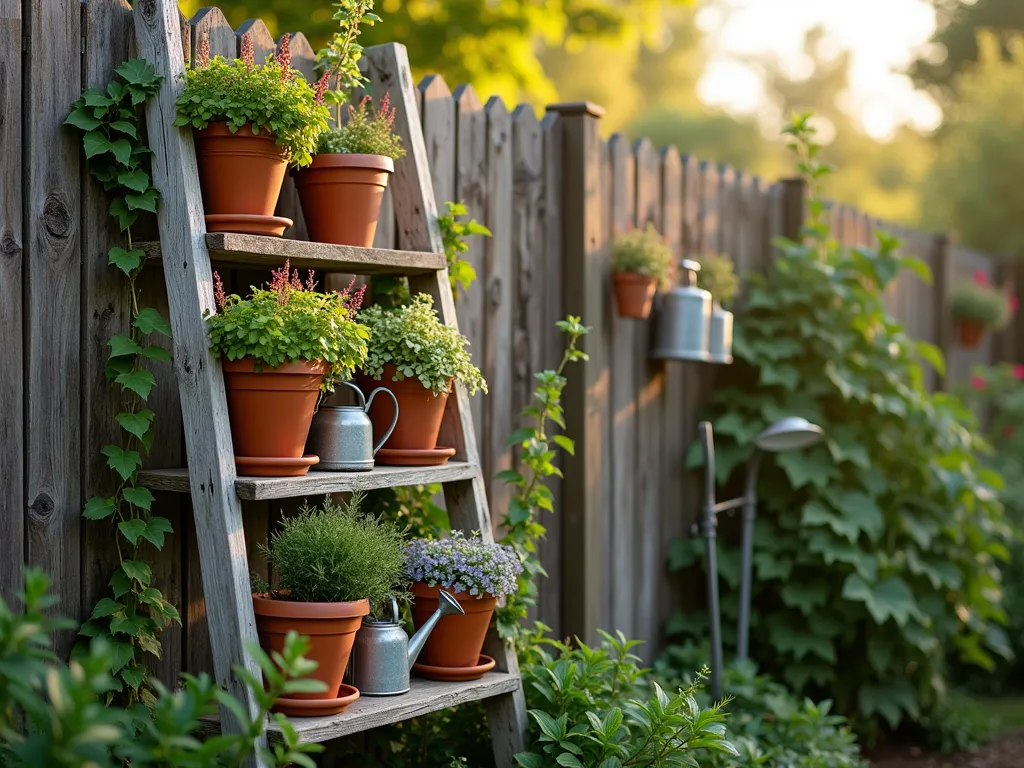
[
  {"x": 437, "y": 114},
  {"x": 52, "y": 205},
  {"x": 288, "y": 205},
  {"x": 210, "y": 24},
  {"x": 12, "y": 434},
  {"x": 187, "y": 270}
]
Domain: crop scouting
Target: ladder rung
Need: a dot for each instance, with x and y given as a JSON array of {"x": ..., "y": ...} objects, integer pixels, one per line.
[
  {"x": 314, "y": 483},
  {"x": 237, "y": 250}
]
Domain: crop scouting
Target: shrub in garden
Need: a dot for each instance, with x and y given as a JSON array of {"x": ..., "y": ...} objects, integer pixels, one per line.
[
  {"x": 980, "y": 303},
  {"x": 879, "y": 549}
]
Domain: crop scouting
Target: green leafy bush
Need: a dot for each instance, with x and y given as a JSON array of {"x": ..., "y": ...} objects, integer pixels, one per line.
[
  {"x": 460, "y": 272},
  {"x": 271, "y": 97},
  {"x": 643, "y": 252},
  {"x": 981, "y": 303},
  {"x": 367, "y": 131},
  {"x": 878, "y": 549},
  {"x": 52, "y": 714},
  {"x": 289, "y": 320},
  {"x": 717, "y": 276},
  {"x": 414, "y": 340},
  {"x": 335, "y": 554},
  {"x": 340, "y": 57}
]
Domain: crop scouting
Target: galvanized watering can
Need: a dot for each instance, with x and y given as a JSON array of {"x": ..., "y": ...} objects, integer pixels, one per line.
[
  {"x": 383, "y": 654},
  {"x": 684, "y": 320},
  {"x": 342, "y": 435}
]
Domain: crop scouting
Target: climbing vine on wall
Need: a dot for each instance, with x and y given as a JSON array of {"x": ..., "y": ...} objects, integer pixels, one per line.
[{"x": 133, "y": 615}]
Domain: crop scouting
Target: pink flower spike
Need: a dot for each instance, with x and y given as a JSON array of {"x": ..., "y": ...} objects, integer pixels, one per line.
[
  {"x": 218, "y": 291},
  {"x": 980, "y": 277},
  {"x": 321, "y": 88},
  {"x": 203, "y": 55},
  {"x": 248, "y": 51},
  {"x": 978, "y": 382},
  {"x": 310, "y": 284},
  {"x": 1018, "y": 371}
]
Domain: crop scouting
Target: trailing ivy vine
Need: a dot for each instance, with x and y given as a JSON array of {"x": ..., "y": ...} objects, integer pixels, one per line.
[{"x": 135, "y": 613}]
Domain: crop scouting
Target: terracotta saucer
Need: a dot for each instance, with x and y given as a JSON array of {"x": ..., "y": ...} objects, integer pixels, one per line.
[
  {"x": 413, "y": 457},
  {"x": 317, "y": 707},
  {"x": 455, "y": 674},
  {"x": 274, "y": 466},
  {"x": 247, "y": 224}
]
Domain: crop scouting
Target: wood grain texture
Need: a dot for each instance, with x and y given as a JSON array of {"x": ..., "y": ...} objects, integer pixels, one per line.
[
  {"x": 288, "y": 204},
  {"x": 12, "y": 318},
  {"x": 188, "y": 276},
  {"x": 52, "y": 201},
  {"x": 437, "y": 114},
  {"x": 209, "y": 23}
]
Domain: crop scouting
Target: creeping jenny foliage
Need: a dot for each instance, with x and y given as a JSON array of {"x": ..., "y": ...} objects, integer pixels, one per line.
[{"x": 879, "y": 549}]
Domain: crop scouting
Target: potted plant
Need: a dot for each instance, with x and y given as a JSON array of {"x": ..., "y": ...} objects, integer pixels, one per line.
[
  {"x": 342, "y": 189},
  {"x": 417, "y": 357},
  {"x": 477, "y": 573},
  {"x": 280, "y": 347},
  {"x": 332, "y": 564},
  {"x": 977, "y": 307},
  {"x": 717, "y": 276},
  {"x": 641, "y": 263},
  {"x": 250, "y": 122}
]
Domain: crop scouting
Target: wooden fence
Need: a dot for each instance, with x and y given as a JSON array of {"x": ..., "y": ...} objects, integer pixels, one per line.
[{"x": 552, "y": 190}]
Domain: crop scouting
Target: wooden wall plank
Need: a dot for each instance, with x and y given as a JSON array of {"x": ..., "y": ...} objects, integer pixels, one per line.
[
  {"x": 437, "y": 114},
  {"x": 304, "y": 60},
  {"x": 53, "y": 303},
  {"x": 12, "y": 319}
]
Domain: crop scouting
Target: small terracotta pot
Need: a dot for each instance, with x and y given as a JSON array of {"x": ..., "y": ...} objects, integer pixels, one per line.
[
  {"x": 239, "y": 173},
  {"x": 270, "y": 410},
  {"x": 341, "y": 197},
  {"x": 971, "y": 332},
  {"x": 419, "y": 411},
  {"x": 634, "y": 294},
  {"x": 331, "y": 628},
  {"x": 456, "y": 640}
]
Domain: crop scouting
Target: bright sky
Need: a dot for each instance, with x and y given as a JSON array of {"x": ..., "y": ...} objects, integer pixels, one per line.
[{"x": 883, "y": 35}]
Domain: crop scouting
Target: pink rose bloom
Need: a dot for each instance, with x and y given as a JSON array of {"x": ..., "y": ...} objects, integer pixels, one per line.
[
  {"x": 1018, "y": 371},
  {"x": 978, "y": 382},
  {"x": 981, "y": 278}
]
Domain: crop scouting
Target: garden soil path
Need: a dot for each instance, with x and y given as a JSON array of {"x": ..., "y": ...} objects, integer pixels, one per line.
[{"x": 1005, "y": 751}]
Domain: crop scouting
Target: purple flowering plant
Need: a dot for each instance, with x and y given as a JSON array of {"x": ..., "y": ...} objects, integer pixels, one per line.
[{"x": 464, "y": 565}]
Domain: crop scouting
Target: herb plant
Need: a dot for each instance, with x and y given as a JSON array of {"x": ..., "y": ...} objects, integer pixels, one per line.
[
  {"x": 271, "y": 97},
  {"x": 335, "y": 554},
  {"x": 367, "y": 131},
  {"x": 131, "y": 619},
  {"x": 414, "y": 340},
  {"x": 643, "y": 252},
  {"x": 340, "y": 57},
  {"x": 464, "y": 565},
  {"x": 289, "y": 320},
  {"x": 717, "y": 276},
  {"x": 981, "y": 303}
]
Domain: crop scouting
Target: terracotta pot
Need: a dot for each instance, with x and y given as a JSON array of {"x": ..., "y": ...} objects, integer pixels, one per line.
[
  {"x": 456, "y": 640},
  {"x": 239, "y": 173},
  {"x": 419, "y": 411},
  {"x": 634, "y": 294},
  {"x": 331, "y": 628},
  {"x": 341, "y": 197},
  {"x": 270, "y": 410},
  {"x": 971, "y": 332}
]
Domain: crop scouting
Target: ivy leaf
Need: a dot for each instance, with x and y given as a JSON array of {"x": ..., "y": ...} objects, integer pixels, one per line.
[
  {"x": 120, "y": 211},
  {"x": 137, "y": 423},
  {"x": 890, "y": 598},
  {"x": 122, "y": 150},
  {"x": 136, "y": 179},
  {"x": 126, "y": 261},
  {"x": 859, "y": 509},
  {"x": 123, "y": 126},
  {"x": 805, "y": 595},
  {"x": 128, "y": 625},
  {"x": 157, "y": 353},
  {"x": 120, "y": 654},
  {"x": 106, "y": 607},
  {"x": 810, "y": 467},
  {"x": 132, "y": 529},
  {"x": 133, "y": 676},
  {"x": 149, "y": 320},
  {"x": 138, "y": 570},
  {"x": 82, "y": 119},
  {"x": 120, "y": 583},
  {"x": 122, "y": 461},
  {"x": 138, "y": 72},
  {"x": 138, "y": 496},
  {"x": 518, "y": 512},
  {"x": 98, "y": 508},
  {"x": 145, "y": 201},
  {"x": 890, "y": 700},
  {"x": 788, "y": 639},
  {"x": 155, "y": 531},
  {"x": 96, "y": 98},
  {"x": 140, "y": 381},
  {"x": 96, "y": 143},
  {"x": 121, "y": 346}
]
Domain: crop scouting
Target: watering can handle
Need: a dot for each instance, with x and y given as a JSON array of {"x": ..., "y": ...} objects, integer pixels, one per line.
[
  {"x": 394, "y": 419},
  {"x": 359, "y": 393}
]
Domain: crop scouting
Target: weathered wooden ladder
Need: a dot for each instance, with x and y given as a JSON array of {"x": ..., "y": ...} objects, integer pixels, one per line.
[{"x": 186, "y": 251}]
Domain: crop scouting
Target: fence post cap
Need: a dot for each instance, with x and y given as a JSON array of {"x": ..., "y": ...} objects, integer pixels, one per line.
[{"x": 576, "y": 108}]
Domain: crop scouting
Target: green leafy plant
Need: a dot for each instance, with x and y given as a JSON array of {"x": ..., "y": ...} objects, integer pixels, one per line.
[
  {"x": 596, "y": 707},
  {"x": 290, "y": 320},
  {"x": 643, "y": 252},
  {"x": 367, "y": 131},
  {"x": 53, "y": 714},
  {"x": 460, "y": 272},
  {"x": 340, "y": 57},
  {"x": 717, "y": 276},
  {"x": 414, "y": 340},
  {"x": 271, "y": 97},
  {"x": 536, "y": 454},
  {"x": 981, "y": 303},
  {"x": 135, "y": 613},
  {"x": 878, "y": 549},
  {"x": 334, "y": 554}
]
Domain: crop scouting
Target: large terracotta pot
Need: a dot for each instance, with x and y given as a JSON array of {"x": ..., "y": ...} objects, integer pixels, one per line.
[
  {"x": 971, "y": 332},
  {"x": 456, "y": 640},
  {"x": 270, "y": 412},
  {"x": 634, "y": 294},
  {"x": 331, "y": 628},
  {"x": 341, "y": 197},
  {"x": 419, "y": 411},
  {"x": 240, "y": 176}
]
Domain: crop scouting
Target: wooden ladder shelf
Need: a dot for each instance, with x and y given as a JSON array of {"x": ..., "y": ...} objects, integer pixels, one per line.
[{"x": 187, "y": 254}]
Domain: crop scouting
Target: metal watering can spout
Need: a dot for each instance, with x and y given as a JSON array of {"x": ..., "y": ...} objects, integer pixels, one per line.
[{"x": 446, "y": 606}]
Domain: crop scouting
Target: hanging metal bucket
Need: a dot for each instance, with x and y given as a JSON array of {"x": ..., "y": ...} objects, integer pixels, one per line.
[
  {"x": 720, "y": 337},
  {"x": 684, "y": 320}
]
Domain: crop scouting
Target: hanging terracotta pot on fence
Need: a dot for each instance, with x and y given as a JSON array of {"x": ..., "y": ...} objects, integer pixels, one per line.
[
  {"x": 240, "y": 176},
  {"x": 634, "y": 294},
  {"x": 270, "y": 411},
  {"x": 341, "y": 197},
  {"x": 457, "y": 640},
  {"x": 971, "y": 333}
]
